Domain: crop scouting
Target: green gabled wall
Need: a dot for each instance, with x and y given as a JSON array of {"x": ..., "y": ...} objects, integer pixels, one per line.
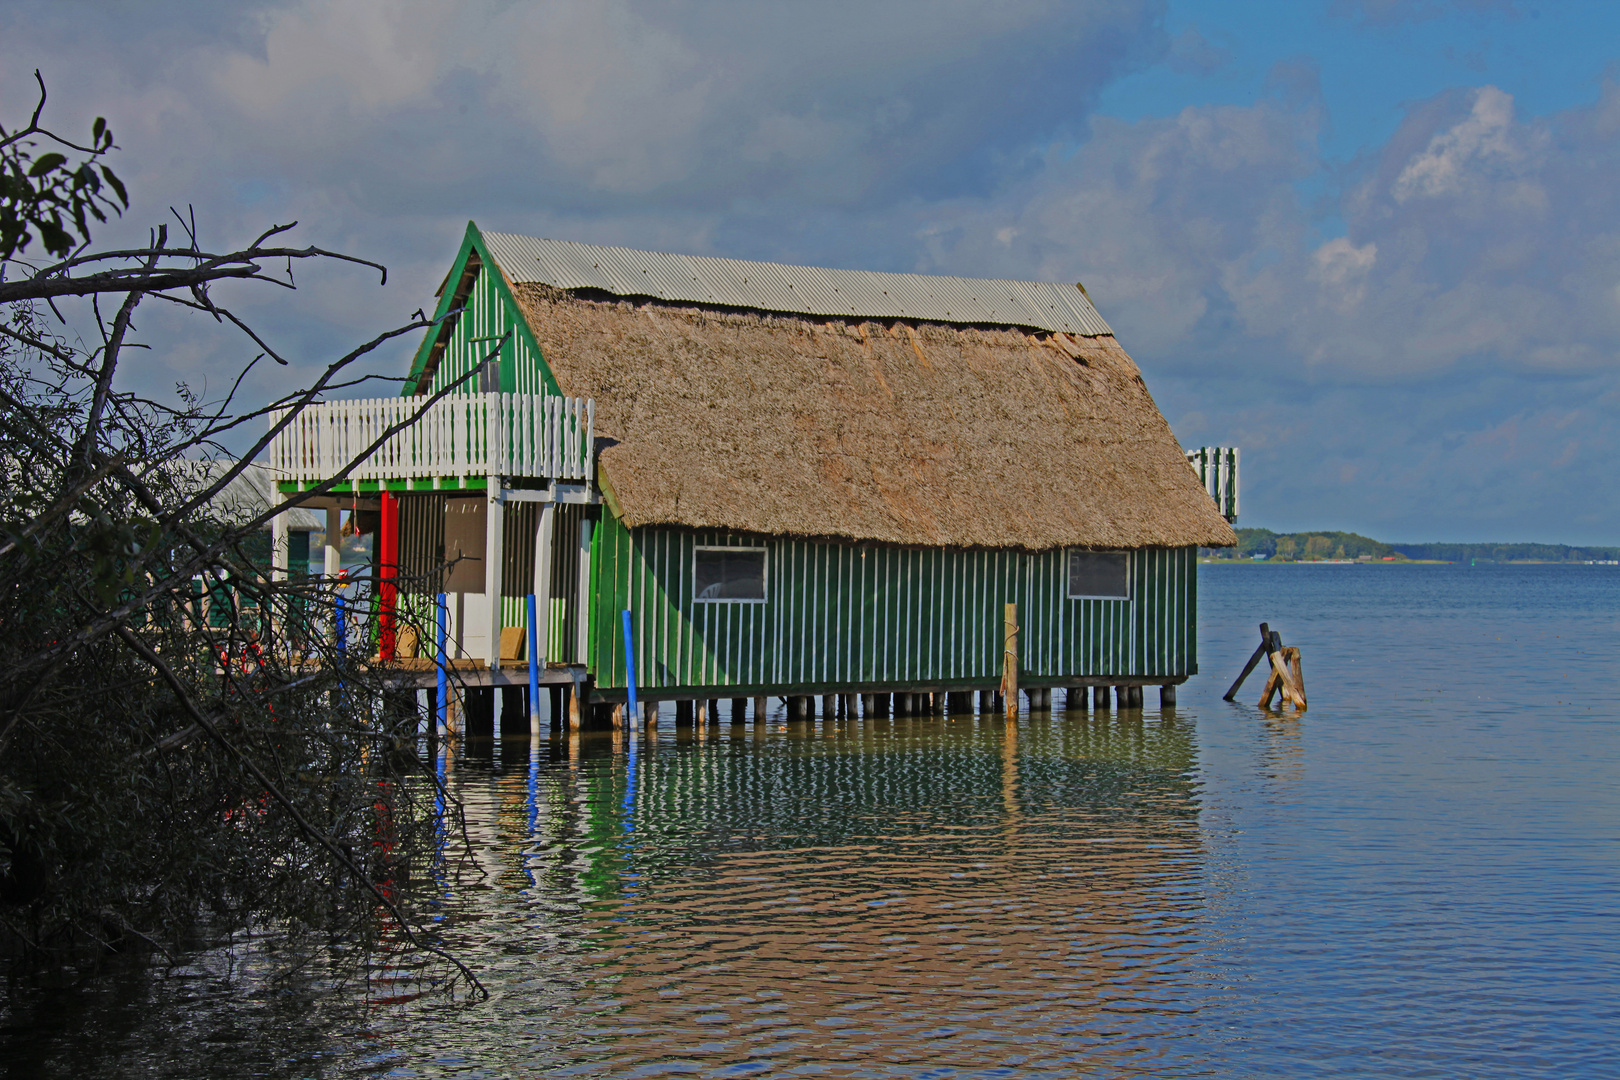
[
  {"x": 843, "y": 616},
  {"x": 477, "y": 285}
]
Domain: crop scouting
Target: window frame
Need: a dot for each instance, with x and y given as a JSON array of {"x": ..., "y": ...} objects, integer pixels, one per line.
[
  {"x": 1068, "y": 573},
  {"x": 765, "y": 576}
]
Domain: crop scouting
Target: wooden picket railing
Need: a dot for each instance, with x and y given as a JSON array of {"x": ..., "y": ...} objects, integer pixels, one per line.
[
  {"x": 460, "y": 435},
  {"x": 1217, "y": 469}
]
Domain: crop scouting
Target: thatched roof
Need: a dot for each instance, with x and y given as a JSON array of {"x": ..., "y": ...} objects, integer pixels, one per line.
[{"x": 870, "y": 430}]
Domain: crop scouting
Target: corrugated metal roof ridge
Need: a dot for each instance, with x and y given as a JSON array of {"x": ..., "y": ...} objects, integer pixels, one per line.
[{"x": 808, "y": 290}]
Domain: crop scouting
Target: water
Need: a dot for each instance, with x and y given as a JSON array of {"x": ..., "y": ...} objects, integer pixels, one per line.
[{"x": 1415, "y": 878}]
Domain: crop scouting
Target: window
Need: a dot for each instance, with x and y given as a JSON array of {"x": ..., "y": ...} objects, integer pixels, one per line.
[
  {"x": 728, "y": 574},
  {"x": 489, "y": 376},
  {"x": 1098, "y": 575}
]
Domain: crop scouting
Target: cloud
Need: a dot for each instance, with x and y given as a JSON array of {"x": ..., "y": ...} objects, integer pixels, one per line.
[
  {"x": 1481, "y": 141},
  {"x": 1437, "y": 320},
  {"x": 1473, "y": 287}
]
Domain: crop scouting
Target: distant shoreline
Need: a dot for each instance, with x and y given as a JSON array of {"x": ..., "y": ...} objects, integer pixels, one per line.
[
  {"x": 1204, "y": 560},
  {"x": 1339, "y": 547}
]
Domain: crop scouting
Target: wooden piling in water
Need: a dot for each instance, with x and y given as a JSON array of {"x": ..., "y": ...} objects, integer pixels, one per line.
[
  {"x": 1009, "y": 660},
  {"x": 480, "y": 709}
]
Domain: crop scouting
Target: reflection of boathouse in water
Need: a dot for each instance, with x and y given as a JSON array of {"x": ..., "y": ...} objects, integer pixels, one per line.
[
  {"x": 954, "y": 890},
  {"x": 797, "y": 481}
]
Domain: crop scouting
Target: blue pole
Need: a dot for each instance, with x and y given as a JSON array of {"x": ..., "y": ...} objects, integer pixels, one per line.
[
  {"x": 444, "y": 699},
  {"x": 629, "y": 665},
  {"x": 534, "y": 669},
  {"x": 342, "y": 628}
]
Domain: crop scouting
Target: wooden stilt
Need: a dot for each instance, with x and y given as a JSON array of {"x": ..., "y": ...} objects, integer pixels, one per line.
[
  {"x": 1167, "y": 696},
  {"x": 683, "y": 713},
  {"x": 739, "y": 710},
  {"x": 514, "y": 711},
  {"x": 868, "y": 704},
  {"x": 829, "y": 706},
  {"x": 850, "y": 708},
  {"x": 1099, "y": 698},
  {"x": 762, "y": 710}
]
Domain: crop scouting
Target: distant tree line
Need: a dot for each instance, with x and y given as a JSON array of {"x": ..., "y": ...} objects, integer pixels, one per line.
[{"x": 1307, "y": 546}]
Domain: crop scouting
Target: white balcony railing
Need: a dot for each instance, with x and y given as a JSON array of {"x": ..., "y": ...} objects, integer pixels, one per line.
[
  {"x": 461, "y": 435},
  {"x": 1217, "y": 469}
]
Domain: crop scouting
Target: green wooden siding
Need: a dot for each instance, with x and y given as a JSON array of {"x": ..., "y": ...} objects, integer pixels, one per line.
[
  {"x": 490, "y": 312},
  {"x": 843, "y": 616}
]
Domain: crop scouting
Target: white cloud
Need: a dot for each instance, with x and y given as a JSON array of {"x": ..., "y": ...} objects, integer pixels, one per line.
[
  {"x": 1482, "y": 139},
  {"x": 1342, "y": 268},
  {"x": 1475, "y": 274}
]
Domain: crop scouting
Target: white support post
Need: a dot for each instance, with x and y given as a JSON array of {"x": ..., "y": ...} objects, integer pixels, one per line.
[
  {"x": 582, "y": 617},
  {"x": 543, "y": 532},
  {"x": 280, "y": 553},
  {"x": 334, "y": 542},
  {"x": 494, "y": 558}
]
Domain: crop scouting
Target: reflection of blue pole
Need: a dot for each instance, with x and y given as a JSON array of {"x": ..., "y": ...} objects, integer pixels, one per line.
[
  {"x": 534, "y": 808},
  {"x": 629, "y": 663},
  {"x": 534, "y": 670},
  {"x": 444, "y": 698},
  {"x": 342, "y": 626}
]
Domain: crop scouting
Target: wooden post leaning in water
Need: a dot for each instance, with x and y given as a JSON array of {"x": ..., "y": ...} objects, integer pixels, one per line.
[
  {"x": 1290, "y": 682},
  {"x": 1265, "y": 639},
  {"x": 1009, "y": 661}
]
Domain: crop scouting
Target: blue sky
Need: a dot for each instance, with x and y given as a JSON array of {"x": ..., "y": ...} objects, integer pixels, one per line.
[{"x": 1375, "y": 244}]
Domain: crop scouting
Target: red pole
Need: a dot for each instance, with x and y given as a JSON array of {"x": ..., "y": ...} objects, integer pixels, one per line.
[{"x": 387, "y": 572}]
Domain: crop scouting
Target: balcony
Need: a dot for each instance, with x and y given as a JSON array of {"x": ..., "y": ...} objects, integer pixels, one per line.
[{"x": 460, "y": 435}]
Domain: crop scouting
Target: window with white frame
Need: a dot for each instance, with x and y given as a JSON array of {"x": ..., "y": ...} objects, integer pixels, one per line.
[
  {"x": 1099, "y": 575},
  {"x": 734, "y": 575}
]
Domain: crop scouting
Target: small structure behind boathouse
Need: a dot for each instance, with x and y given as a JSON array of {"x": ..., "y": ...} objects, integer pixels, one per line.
[{"x": 798, "y": 481}]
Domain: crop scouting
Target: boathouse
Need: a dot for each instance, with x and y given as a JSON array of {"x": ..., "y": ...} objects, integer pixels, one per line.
[{"x": 797, "y": 481}]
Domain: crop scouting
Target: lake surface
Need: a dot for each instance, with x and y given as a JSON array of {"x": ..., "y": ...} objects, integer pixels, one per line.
[{"x": 1417, "y": 877}]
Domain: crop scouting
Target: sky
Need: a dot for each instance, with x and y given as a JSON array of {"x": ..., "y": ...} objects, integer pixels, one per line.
[{"x": 1374, "y": 244}]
